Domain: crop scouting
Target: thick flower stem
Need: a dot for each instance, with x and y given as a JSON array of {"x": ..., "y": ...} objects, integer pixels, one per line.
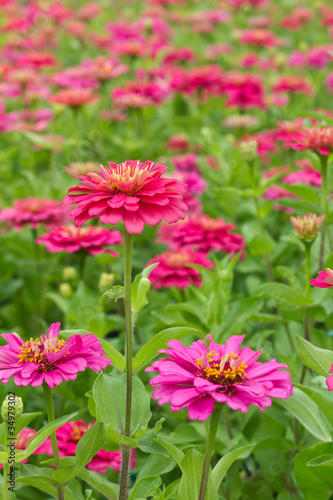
[
  {"x": 324, "y": 204},
  {"x": 214, "y": 422},
  {"x": 307, "y": 336},
  {"x": 51, "y": 416},
  {"x": 128, "y": 313}
]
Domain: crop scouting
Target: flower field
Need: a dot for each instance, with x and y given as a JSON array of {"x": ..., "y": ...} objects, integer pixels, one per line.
[{"x": 166, "y": 262}]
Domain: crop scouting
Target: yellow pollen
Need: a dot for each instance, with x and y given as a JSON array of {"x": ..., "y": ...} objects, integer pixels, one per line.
[
  {"x": 225, "y": 371},
  {"x": 34, "y": 351}
]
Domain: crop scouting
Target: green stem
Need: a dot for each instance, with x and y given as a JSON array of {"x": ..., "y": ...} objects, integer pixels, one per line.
[
  {"x": 324, "y": 204},
  {"x": 51, "y": 416},
  {"x": 123, "y": 487},
  {"x": 307, "y": 335},
  {"x": 214, "y": 422}
]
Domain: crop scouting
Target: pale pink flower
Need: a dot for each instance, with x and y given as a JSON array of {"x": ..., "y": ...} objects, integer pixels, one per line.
[{"x": 324, "y": 280}]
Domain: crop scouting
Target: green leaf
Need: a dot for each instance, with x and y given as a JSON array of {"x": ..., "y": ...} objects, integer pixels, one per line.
[
  {"x": 38, "y": 477},
  {"x": 41, "y": 435},
  {"x": 315, "y": 482},
  {"x": 115, "y": 293},
  {"x": 189, "y": 486},
  {"x": 73, "y": 491},
  {"x": 306, "y": 193},
  {"x": 159, "y": 341},
  {"x": 91, "y": 443},
  {"x": 323, "y": 461},
  {"x": 319, "y": 360},
  {"x": 118, "y": 360},
  {"x": 99, "y": 483},
  {"x": 109, "y": 392},
  {"x": 284, "y": 293},
  {"x": 302, "y": 407},
  {"x": 261, "y": 244},
  {"x": 175, "y": 452},
  {"x": 239, "y": 312},
  {"x": 225, "y": 462},
  {"x": 144, "y": 487}
]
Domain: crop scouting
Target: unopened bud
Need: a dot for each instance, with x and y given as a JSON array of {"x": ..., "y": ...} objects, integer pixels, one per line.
[
  {"x": 65, "y": 290},
  {"x": 12, "y": 408},
  {"x": 307, "y": 226},
  {"x": 106, "y": 280},
  {"x": 69, "y": 273},
  {"x": 249, "y": 150}
]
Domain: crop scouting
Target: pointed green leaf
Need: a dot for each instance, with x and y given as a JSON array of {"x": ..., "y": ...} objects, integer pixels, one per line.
[{"x": 319, "y": 360}]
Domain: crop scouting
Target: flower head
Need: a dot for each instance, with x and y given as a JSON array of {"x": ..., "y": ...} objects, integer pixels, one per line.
[
  {"x": 49, "y": 358},
  {"x": 329, "y": 380},
  {"x": 133, "y": 191},
  {"x": 91, "y": 239},
  {"x": 203, "y": 233},
  {"x": 197, "y": 377},
  {"x": 75, "y": 98},
  {"x": 318, "y": 139},
  {"x": 173, "y": 269},
  {"x": 324, "y": 280},
  {"x": 307, "y": 227},
  {"x": 33, "y": 212}
]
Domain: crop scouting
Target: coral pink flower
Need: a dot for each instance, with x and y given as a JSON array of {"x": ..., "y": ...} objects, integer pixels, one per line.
[
  {"x": 173, "y": 269},
  {"x": 91, "y": 239},
  {"x": 177, "y": 143},
  {"x": 104, "y": 68},
  {"x": 293, "y": 84},
  {"x": 151, "y": 92},
  {"x": 34, "y": 211},
  {"x": 75, "y": 98},
  {"x": 329, "y": 380},
  {"x": 68, "y": 436},
  {"x": 318, "y": 139},
  {"x": 133, "y": 191},
  {"x": 324, "y": 280},
  {"x": 260, "y": 38},
  {"x": 49, "y": 359},
  {"x": 203, "y": 234},
  {"x": 197, "y": 377}
]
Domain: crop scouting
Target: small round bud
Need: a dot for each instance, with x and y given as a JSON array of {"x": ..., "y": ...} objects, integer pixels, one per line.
[
  {"x": 65, "y": 290},
  {"x": 249, "y": 150},
  {"x": 12, "y": 408},
  {"x": 69, "y": 273},
  {"x": 105, "y": 281}
]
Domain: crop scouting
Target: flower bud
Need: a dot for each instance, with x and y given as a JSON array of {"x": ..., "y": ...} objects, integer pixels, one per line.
[
  {"x": 12, "y": 408},
  {"x": 65, "y": 290},
  {"x": 106, "y": 280},
  {"x": 69, "y": 273},
  {"x": 307, "y": 227},
  {"x": 249, "y": 150}
]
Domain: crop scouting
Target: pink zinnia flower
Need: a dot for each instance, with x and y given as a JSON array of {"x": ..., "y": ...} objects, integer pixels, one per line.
[
  {"x": 293, "y": 84},
  {"x": 75, "y": 98},
  {"x": 197, "y": 377},
  {"x": 329, "y": 380},
  {"x": 173, "y": 269},
  {"x": 133, "y": 191},
  {"x": 276, "y": 193},
  {"x": 68, "y": 436},
  {"x": 318, "y": 139},
  {"x": 23, "y": 438},
  {"x": 49, "y": 359},
  {"x": 91, "y": 239},
  {"x": 203, "y": 234},
  {"x": 34, "y": 211},
  {"x": 324, "y": 280}
]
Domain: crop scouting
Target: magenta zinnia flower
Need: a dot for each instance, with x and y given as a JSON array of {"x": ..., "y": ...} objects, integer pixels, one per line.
[
  {"x": 196, "y": 377},
  {"x": 91, "y": 239},
  {"x": 132, "y": 191},
  {"x": 329, "y": 380},
  {"x": 49, "y": 359},
  {"x": 173, "y": 269},
  {"x": 324, "y": 280},
  {"x": 203, "y": 234},
  {"x": 34, "y": 211}
]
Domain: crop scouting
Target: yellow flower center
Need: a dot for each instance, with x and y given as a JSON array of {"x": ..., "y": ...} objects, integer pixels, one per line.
[
  {"x": 224, "y": 371},
  {"x": 132, "y": 175},
  {"x": 35, "y": 351}
]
